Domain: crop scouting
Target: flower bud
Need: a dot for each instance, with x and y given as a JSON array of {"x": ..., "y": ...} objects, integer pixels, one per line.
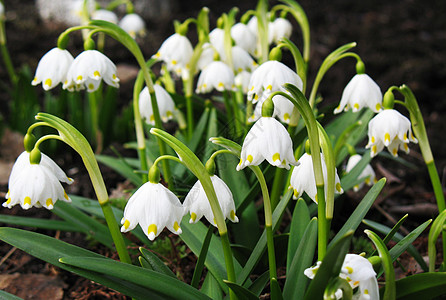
[
  {"x": 35, "y": 156},
  {"x": 154, "y": 174},
  {"x": 360, "y": 67},
  {"x": 29, "y": 141},
  {"x": 388, "y": 100},
  {"x": 275, "y": 54}
]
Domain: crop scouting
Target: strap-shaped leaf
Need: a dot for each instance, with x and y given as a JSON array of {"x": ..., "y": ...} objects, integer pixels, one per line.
[
  {"x": 156, "y": 263},
  {"x": 240, "y": 291},
  {"x": 329, "y": 268},
  {"x": 121, "y": 167},
  {"x": 51, "y": 250},
  {"x": 7, "y": 296},
  {"x": 38, "y": 223},
  {"x": 299, "y": 222},
  {"x": 360, "y": 211},
  {"x": 296, "y": 280},
  {"x": 211, "y": 287},
  {"x": 421, "y": 286},
  {"x": 165, "y": 285}
]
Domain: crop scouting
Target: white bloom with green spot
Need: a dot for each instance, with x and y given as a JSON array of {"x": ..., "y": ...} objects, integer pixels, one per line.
[
  {"x": 242, "y": 61},
  {"x": 217, "y": 75},
  {"x": 361, "y": 92},
  {"x": 53, "y": 68},
  {"x": 176, "y": 52},
  {"x": 367, "y": 174},
  {"x": 88, "y": 69},
  {"x": 197, "y": 203},
  {"x": 153, "y": 207},
  {"x": 133, "y": 24},
  {"x": 267, "y": 139},
  {"x": 302, "y": 179},
  {"x": 283, "y": 109},
  {"x": 166, "y": 105},
  {"x": 36, "y": 184},
  {"x": 390, "y": 129}
]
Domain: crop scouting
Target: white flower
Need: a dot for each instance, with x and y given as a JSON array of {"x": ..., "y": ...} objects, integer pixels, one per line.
[
  {"x": 133, "y": 24},
  {"x": 165, "y": 103},
  {"x": 391, "y": 129},
  {"x": 217, "y": 75},
  {"x": 52, "y": 68},
  {"x": 241, "y": 60},
  {"x": 267, "y": 139},
  {"x": 359, "y": 273},
  {"x": 244, "y": 37},
  {"x": 302, "y": 178},
  {"x": 217, "y": 39},
  {"x": 283, "y": 109},
  {"x": 176, "y": 52},
  {"x": 2, "y": 11},
  {"x": 280, "y": 28},
  {"x": 104, "y": 15},
  {"x": 87, "y": 70},
  {"x": 253, "y": 26},
  {"x": 198, "y": 205},
  {"x": 367, "y": 174},
  {"x": 36, "y": 184},
  {"x": 270, "y": 77},
  {"x": 361, "y": 92},
  {"x": 206, "y": 57},
  {"x": 241, "y": 80},
  {"x": 154, "y": 207}
]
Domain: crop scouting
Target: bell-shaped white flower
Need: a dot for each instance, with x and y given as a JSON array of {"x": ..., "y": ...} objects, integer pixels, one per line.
[
  {"x": 153, "y": 207},
  {"x": 267, "y": 139},
  {"x": 253, "y": 26},
  {"x": 206, "y": 57},
  {"x": 361, "y": 92},
  {"x": 36, "y": 184},
  {"x": 391, "y": 129},
  {"x": 105, "y": 15},
  {"x": 176, "y": 52},
  {"x": 217, "y": 75},
  {"x": 244, "y": 37},
  {"x": 359, "y": 273},
  {"x": 52, "y": 68},
  {"x": 270, "y": 77},
  {"x": 133, "y": 24},
  {"x": 280, "y": 28},
  {"x": 165, "y": 103},
  {"x": 283, "y": 109},
  {"x": 197, "y": 203},
  {"x": 241, "y": 60},
  {"x": 87, "y": 70},
  {"x": 367, "y": 174},
  {"x": 217, "y": 40},
  {"x": 302, "y": 178},
  {"x": 242, "y": 79}
]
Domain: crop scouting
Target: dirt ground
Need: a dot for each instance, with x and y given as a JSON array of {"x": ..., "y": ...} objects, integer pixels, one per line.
[{"x": 399, "y": 41}]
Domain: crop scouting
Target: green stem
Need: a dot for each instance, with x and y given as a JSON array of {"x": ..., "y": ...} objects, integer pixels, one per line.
[
  {"x": 322, "y": 227},
  {"x": 139, "y": 128},
  {"x": 5, "y": 54},
  {"x": 229, "y": 112},
  {"x": 277, "y": 187},
  {"x": 95, "y": 131},
  {"x": 237, "y": 115},
  {"x": 262, "y": 24}
]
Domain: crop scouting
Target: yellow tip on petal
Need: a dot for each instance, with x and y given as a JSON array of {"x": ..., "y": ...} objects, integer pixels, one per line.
[
  {"x": 91, "y": 86},
  {"x": 395, "y": 152},
  {"x": 256, "y": 97},
  {"x": 220, "y": 84},
  {"x": 152, "y": 229},
  {"x": 338, "y": 187},
  {"x": 35, "y": 79},
  {"x": 372, "y": 139},
  {"x": 367, "y": 181},
  {"x": 27, "y": 200},
  {"x": 295, "y": 193},
  {"x": 49, "y": 202},
  {"x": 193, "y": 216},
  {"x": 48, "y": 82},
  {"x": 152, "y": 118},
  {"x": 276, "y": 156},
  {"x": 65, "y": 195},
  {"x": 405, "y": 137},
  {"x": 373, "y": 149},
  {"x": 269, "y": 87},
  {"x": 286, "y": 116},
  {"x": 349, "y": 269},
  {"x": 79, "y": 78},
  {"x": 240, "y": 162},
  {"x": 8, "y": 201},
  {"x": 249, "y": 158},
  {"x": 126, "y": 224},
  {"x": 366, "y": 291},
  {"x": 232, "y": 215},
  {"x": 173, "y": 62},
  {"x": 356, "y": 106},
  {"x": 96, "y": 74},
  {"x": 378, "y": 107},
  {"x": 176, "y": 226},
  {"x": 387, "y": 137}
]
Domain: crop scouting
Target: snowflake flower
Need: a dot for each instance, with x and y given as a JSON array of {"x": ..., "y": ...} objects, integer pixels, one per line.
[
  {"x": 133, "y": 24},
  {"x": 244, "y": 37},
  {"x": 217, "y": 75},
  {"x": 279, "y": 28},
  {"x": 104, "y": 15},
  {"x": 367, "y": 173},
  {"x": 166, "y": 105}
]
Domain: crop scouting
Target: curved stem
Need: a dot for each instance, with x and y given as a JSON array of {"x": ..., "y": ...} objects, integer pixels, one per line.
[
  {"x": 140, "y": 138},
  {"x": 5, "y": 53}
]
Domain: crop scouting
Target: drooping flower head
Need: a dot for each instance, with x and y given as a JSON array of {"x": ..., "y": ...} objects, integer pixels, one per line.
[
  {"x": 242, "y": 61},
  {"x": 217, "y": 75},
  {"x": 53, "y": 68},
  {"x": 217, "y": 40},
  {"x": 166, "y": 105},
  {"x": 133, "y": 24},
  {"x": 267, "y": 139},
  {"x": 359, "y": 273},
  {"x": 391, "y": 129},
  {"x": 176, "y": 52},
  {"x": 105, "y": 15},
  {"x": 198, "y": 205},
  {"x": 87, "y": 70},
  {"x": 367, "y": 174},
  {"x": 36, "y": 184},
  {"x": 153, "y": 207},
  {"x": 278, "y": 29},
  {"x": 242, "y": 79},
  {"x": 302, "y": 178},
  {"x": 361, "y": 92},
  {"x": 244, "y": 37}
]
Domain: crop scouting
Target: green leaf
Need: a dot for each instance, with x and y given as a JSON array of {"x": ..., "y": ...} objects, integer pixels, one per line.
[
  {"x": 259, "y": 284},
  {"x": 398, "y": 237},
  {"x": 329, "y": 268},
  {"x": 360, "y": 211},
  {"x": 38, "y": 223},
  {"x": 51, "y": 250},
  {"x": 165, "y": 285},
  {"x": 299, "y": 222},
  {"x": 296, "y": 280},
  {"x": 199, "y": 265},
  {"x": 386, "y": 262},
  {"x": 121, "y": 167},
  {"x": 7, "y": 296},
  {"x": 421, "y": 286},
  {"x": 240, "y": 291},
  {"x": 156, "y": 263},
  {"x": 434, "y": 232},
  {"x": 211, "y": 287}
]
